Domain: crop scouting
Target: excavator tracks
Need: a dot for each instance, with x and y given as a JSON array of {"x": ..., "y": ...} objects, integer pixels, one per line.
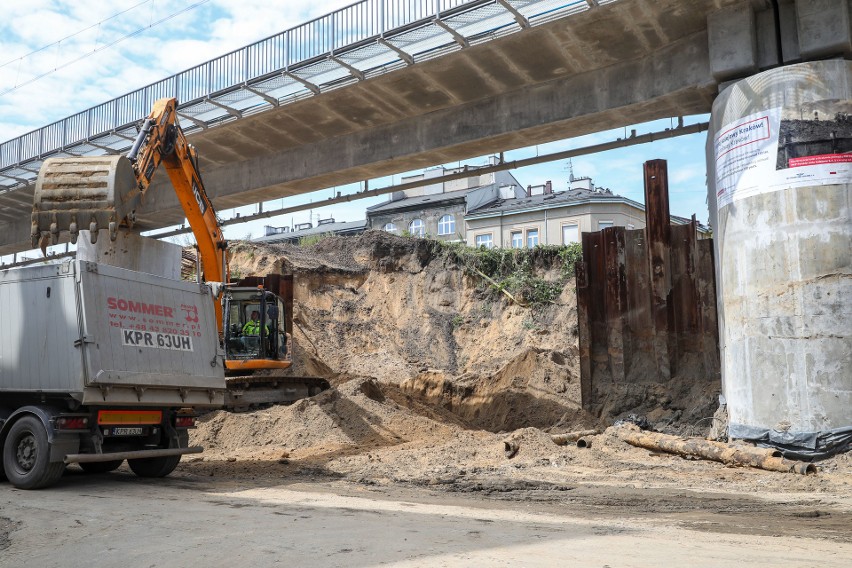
[{"x": 251, "y": 391}]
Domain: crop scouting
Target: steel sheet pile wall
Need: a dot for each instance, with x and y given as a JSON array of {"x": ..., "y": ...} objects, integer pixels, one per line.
[
  {"x": 780, "y": 165},
  {"x": 646, "y": 299}
]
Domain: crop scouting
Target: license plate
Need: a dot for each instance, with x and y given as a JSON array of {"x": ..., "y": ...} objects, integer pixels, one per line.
[{"x": 125, "y": 432}]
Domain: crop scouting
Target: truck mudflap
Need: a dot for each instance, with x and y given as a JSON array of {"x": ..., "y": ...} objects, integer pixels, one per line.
[{"x": 139, "y": 454}]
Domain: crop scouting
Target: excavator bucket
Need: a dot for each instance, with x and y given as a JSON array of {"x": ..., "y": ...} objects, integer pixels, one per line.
[{"x": 73, "y": 194}]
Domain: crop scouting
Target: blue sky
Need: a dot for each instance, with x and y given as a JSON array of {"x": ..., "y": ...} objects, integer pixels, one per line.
[{"x": 60, "y": 57}]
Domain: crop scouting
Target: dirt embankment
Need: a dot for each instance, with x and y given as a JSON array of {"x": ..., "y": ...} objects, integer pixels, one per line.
[
  {"x": 432, "y": 370},
  {"x": 396, "y": 310}
]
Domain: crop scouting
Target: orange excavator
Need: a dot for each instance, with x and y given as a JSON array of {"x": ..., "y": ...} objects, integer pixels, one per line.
[{"x": 254, "y": 315}]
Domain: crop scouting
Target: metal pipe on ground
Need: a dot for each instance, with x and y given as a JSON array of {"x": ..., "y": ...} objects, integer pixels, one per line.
[
  {"x": 762, "y": 458},
  {"x": 572, "y": 437}
]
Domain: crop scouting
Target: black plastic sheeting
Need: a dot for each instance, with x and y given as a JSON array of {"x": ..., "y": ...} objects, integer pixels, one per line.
[{"x": 805, "y": 446}]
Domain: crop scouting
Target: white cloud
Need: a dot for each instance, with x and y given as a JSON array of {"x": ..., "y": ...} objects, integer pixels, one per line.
[
  {"x": 689, "y": 173},
  {"x": 72, "y": 75}
]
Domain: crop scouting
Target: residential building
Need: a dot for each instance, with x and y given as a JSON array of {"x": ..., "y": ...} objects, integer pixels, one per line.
[
  {"x": 491, "y": 210},
  {"x": 438, "y": 209},
  {"x": 543, "y": 217},
  {"x": 299, "y": 231}
]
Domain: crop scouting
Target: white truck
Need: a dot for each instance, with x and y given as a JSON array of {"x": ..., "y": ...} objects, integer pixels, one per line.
[{"x": 100, "y": 364}]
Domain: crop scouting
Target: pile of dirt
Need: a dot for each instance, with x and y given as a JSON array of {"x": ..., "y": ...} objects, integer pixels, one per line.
[
  {"x": 390, "y": 307},
  {"x": 368, "y": 432},
  {"x": 432, "y": 371},
  {"x": 538, "y": 388}
]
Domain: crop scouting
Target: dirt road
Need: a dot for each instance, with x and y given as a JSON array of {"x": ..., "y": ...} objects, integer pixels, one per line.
[{"x": 193, "y": 520}]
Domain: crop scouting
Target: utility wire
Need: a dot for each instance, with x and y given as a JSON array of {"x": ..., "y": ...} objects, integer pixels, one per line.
[
  {"x": 75, "y": 34},
  {"x": 105, "y": 46}
]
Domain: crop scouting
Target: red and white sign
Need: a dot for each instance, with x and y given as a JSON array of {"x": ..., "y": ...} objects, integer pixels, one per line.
[
  {"x": 155, "y": 321},
  {"x": 762, "y": 153},
  {"x": 820, "y": 159}
]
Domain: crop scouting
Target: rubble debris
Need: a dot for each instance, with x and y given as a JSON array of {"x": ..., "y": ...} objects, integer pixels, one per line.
[
  {"x": 510, "y": 449},
  {"x": 572, "y": 437}
]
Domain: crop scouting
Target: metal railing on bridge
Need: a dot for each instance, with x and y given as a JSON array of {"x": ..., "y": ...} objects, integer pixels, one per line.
[{"x": 350, "y": 44}]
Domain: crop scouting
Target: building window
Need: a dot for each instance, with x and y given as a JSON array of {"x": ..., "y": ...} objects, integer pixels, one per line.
[
  {"x": 570, "y": 233},
  {"x": 417, "y": 228},
  {"x": 389, "y": 227},
  {"x": 447, "y": 225},
  {"x": 485, "y": 240},
  {"x": 517, "y": 239},
  {"x": 532, "y": 238},
  {"x": 604, "y": 225}
]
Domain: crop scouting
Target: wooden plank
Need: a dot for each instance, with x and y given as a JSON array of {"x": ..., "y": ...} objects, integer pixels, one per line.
[
  {"x": 597, "y": 309},
  {"x": 640, "y": 325}
]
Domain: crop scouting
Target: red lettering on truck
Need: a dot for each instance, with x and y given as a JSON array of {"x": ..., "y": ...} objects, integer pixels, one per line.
[{"x": 131, "y": 306}]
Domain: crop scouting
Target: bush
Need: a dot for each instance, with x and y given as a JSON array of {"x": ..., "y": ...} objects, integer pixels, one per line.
[
  {"x": 313, "y": 239},
  {"x": 512, "y": 271}
]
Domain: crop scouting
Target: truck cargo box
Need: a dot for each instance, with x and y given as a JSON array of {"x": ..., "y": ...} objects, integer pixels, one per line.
[{"x": 105, "y": 336}]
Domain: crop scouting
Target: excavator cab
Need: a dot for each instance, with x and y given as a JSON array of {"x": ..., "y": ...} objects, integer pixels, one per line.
[
  {"x": 254, "y": 326},
  {"x": 262, "y": 342}
]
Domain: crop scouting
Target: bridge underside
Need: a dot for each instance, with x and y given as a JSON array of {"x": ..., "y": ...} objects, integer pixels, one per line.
[{"x": 611, "y": 66}]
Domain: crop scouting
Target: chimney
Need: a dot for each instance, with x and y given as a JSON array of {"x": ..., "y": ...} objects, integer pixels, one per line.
[{"x": 548, "y": 187}]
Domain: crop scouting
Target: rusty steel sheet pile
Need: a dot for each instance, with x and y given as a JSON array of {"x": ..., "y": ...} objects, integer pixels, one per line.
[{"x": 646, "y": 299}]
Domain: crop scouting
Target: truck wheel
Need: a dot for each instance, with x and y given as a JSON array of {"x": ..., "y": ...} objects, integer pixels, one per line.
[
  {"x": 26, "y": 456},
  {"x": 154, "y": 467},
  {"x": 159, "y": 467},
  {"x": 101, "y": 467}
]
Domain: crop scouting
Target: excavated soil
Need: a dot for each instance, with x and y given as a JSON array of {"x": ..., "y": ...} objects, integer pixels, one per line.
[{"x": 433, "y": 376}]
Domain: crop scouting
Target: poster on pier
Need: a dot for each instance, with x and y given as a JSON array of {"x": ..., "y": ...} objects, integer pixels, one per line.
[{"x": 782, "y": 148}]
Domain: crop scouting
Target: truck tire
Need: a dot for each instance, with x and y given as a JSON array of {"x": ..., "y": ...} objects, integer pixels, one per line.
[
  {"x": 154, "y": 467},
  {"x": 159, "y": 467},
  {"x": 26, "y": 456},
  {"x": 101, "y": 467}
]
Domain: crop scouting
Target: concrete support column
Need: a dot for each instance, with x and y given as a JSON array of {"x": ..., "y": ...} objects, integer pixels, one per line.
[{"x": 780, "y": 192}]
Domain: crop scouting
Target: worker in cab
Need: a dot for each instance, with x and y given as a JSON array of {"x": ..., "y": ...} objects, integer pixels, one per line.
[
  {"x": 251, "y": 334},
  {"x": 252, "y": 326}
]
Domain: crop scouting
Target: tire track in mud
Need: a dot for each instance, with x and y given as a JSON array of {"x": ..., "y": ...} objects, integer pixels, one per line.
[{"x": 6, "y": 528}]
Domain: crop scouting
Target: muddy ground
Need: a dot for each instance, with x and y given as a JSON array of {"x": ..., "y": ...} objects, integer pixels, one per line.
[
  {"x": 433, "y": 371},
  {"x": 193, "y": 519}
]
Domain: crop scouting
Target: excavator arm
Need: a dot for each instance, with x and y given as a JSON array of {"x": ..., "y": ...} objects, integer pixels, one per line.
[{"x": 162, "y": 140}]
